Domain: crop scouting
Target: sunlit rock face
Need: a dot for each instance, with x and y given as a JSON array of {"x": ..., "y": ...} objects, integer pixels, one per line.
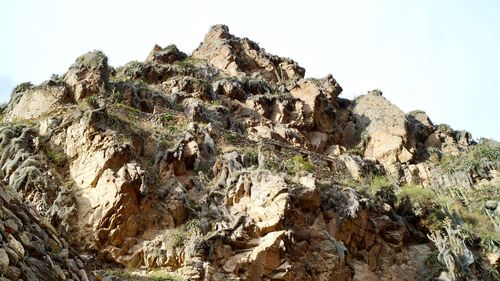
[{"x": 228, "y": 164}]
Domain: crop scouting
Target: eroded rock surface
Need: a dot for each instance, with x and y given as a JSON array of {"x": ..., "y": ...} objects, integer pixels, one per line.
[
  {"x": 237, "y": 56},
  {"x": 230, "y": 165}
]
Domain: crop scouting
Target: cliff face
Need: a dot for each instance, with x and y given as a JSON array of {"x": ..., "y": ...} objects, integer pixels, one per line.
[{"x": 230, "y": 165}]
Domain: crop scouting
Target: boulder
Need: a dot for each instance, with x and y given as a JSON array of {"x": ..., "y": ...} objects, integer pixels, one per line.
[
  {"x": 382, "y": 127},
  {"x": 318, "y": 141},
  {"x": 167, "y": 55},
  {"x": 420, "y": 125},
  {"x": 230, "y": 88},
  {"x": 89, "y": 75},
  {"x": 320, "y": 102}
]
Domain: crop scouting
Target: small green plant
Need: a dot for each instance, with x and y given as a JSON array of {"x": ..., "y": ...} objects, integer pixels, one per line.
[
  {"x": 422, "y": 198},
  {"x": 167, "y": 117},
  {"x": 216, "y": 103},
  {"x": 56, "y": 157},
  {"x": 194, "y": 226},
  {"x": 350, "y": 182},
  {"x": 91, "y": 101},
  {"x": 178, "y": 238},
  {"x": 378, "y": 183},
  {"x": 250, "y": 153},
  {"x": 298, "y": 164},
  {"x": 232, "y": 138},
  {"x": 354, "y": 151},
  {"x": 160, "y": 275},
  {"x": 172, "y": 130},
  {"x": 131, "y": 112}
]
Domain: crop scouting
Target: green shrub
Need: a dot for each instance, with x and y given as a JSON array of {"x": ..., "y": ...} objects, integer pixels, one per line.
[
  {"x": 167, "y": 117},
  {"x": 177, "y": 238},
  {"x": 355, "y": 151},
  {"x": 233, "y": 138},
  {"x": 417, "y": 193},
  {"x": 350, "y": 183},
  {"x": 423, "y": 199},
  {"x": 160, "y": 275},
  {"x": 298, "y": 164},
  {"x": 91, "y": 101},
  {"x": 56, "y": 157},
  {"x": 378, "y": 183},
  {"x": 168, "y": 137}
]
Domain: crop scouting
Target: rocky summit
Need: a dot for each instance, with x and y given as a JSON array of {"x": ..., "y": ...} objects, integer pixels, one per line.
[{"x": 229, "y": 164}]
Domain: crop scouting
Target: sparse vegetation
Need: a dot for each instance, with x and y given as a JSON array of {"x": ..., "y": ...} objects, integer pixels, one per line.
[
  {"x": 22, "y": 87},
  {"x": 350, "y": 182},
  {"x": 377, "y": 184},
  {"x": 167, "y": 117},
  {"x": 154, "y": 275},
  {"x": 178, "y": 238},
  {"x": 159, "y": 275},
  {"x": 299, "y": 164},
  {"x": 479, "y": 159},
  {"x": 168, "y": 136},
  {"x": 56, "y": 157},
  {"x": 193, "y": 191},
  {"x": 194, "y": 226},
  {"x": 355, "y": 151},
  {"x": 232, "y": 138},
  {"x": 91, "y": 101}
]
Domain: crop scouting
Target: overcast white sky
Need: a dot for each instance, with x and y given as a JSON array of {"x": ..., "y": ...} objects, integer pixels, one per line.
[{"x": 442, "y": 57}]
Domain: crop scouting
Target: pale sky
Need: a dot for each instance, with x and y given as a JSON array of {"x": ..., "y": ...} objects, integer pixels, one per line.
[{"x": 442, "y": 57}]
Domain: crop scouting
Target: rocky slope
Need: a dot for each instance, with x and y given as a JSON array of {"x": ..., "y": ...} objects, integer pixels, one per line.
[{"x": 228, "y": 164}]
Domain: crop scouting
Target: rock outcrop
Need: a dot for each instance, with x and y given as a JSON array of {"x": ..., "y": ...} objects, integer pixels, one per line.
[
  {"x": 241, "y": 56},
  {"x": 230, "y": 165},
  {"x": 383, "y": 127},
  {"x": 88, "y": 75},
  {"x": 31, "y": 249}
]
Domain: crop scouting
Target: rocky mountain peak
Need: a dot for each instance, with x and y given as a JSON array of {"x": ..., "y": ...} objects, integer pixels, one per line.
[
  {"x": 241, "y": 56},
  {"x": 228, "y": 164}
]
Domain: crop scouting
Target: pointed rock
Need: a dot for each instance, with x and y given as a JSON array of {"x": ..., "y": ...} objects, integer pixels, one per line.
[
  {"x": 240, "y": 56},
  {"x": 167, "y": 55}
]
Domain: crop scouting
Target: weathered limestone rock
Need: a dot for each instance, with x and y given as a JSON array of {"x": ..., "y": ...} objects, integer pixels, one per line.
[
  {"x": 237, "y": 56},
  {"x": 265, "y": 202},
  {"x": 320, "y": 102},
  {"x": 4, "y": 261},
  {"x": 355, "y": 165},
  {"x": 383, "y": 128},
  {"x": 88, "y": 75},
  {"x": 259, "y": 261},
  {"x": 334, "y": 150},
  {"x": 427, "y": 174},
  {"x": 420, "y": 125},
  {"x": 282, "y": 108},
  {"x": 318, "y": 140},
  {"x": 223, "y": 197},
  {"x": 280, "y": 133},
  {"x": 37, "y": 102},
  {"x": 230, "y": 88}
]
